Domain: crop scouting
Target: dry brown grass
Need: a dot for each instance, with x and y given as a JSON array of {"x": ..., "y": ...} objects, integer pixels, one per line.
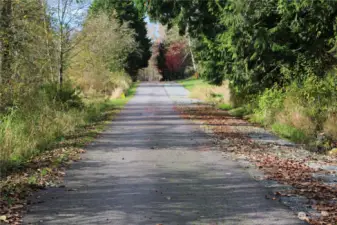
[
  {"x": 330, "y": 125},
  {"x": 204, "y": 92},
  {"x": 294, "y": 115}
]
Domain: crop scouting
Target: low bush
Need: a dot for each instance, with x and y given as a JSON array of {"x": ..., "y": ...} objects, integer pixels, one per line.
[
  {"x": 300, "y": 111},
  {"x": 268, "y": 105}
]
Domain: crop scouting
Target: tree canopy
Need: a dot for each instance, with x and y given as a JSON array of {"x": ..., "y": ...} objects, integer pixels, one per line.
[
  {"x": 126, "y": 12},
  {"x": 255, "y": 44}
]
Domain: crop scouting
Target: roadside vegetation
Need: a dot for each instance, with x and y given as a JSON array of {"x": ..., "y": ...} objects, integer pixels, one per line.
[
  {"x": 277, "y": 59},
  {"x": 287, "y": 113},
  {"x": 61, "y": 69},
  {"x": 66, "y": 68}
]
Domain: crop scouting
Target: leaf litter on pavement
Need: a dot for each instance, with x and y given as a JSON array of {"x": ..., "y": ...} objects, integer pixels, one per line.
[
  {"x": 287, "y": 165},
  {"x": 44, "y": 170}
]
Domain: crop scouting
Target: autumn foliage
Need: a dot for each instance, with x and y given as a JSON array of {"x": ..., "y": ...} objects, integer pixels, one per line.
[
  {"x": 172, "y": 60},
  {"x": 174, "y": 57}
]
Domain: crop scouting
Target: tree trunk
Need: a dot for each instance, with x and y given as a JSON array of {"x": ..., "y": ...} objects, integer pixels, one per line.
[
  {"x": 46, "y": 31},
  {"x": 192, "y": 56},
  {"x": 6, "y": 41},
  {"x": 61, "y": 54},
  {"x": 61, "y": 68}
]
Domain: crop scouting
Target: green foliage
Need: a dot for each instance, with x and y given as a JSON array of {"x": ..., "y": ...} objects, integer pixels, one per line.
[
  {"x": 27, "y": 52},
  {"x": 101, "y": 55},
  {"x": 36, "y": 45},
  {"x": 279, "y": 56},
  {"x": 67, "y": 96},
  {"x": 224, "y": 106},
  {"x": 41, "y": 119},
  {"x": 36, "y": 125},
  {"x": 192, "y": 82},
  {"x": 240, "y": 111},
  {"x": 289, "y": 132},
  {"x": 308, "y": 107},
  {"x": 256, "y": 44},
  {"x": 318, "y": 96},
  {"x": 268, "y": 105},
  {"x": 126, "y": 12}
]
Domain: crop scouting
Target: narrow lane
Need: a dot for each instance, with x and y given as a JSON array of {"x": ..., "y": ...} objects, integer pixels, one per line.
[{"x": 152, "y": 167}]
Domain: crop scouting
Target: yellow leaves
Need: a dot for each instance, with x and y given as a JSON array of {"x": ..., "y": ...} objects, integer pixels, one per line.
[
  {"x": 324, "y": 213},
  {"x": 3, "y": 218},
  {"x": 333, "y": 152}
]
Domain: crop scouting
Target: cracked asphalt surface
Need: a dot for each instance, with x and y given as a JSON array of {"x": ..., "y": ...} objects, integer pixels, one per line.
[{"x": 152, "y": 167}]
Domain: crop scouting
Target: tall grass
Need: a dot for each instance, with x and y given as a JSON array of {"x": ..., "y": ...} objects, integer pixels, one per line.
[
  {"x": 43, "y": 118},
  {"x": 199, "y": 89},
  {"x": 300, "y": 111}
]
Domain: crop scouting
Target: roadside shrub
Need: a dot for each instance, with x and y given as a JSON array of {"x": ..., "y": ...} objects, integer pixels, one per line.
[
  {"x": 308, "y": 107},
  {"x": 98, "y": 67},
  {"x": 268, "y": 105},
  {"x": 38, "y": 121},
  {"x": 295, "y": 115},
  {"x": 316, "y": 96},
  {"x": 239, "y": 111},
  {"x": 67, "y": 96}
]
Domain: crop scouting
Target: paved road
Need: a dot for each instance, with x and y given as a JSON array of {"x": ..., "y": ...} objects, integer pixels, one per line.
[{"x": 152, "y": 167}]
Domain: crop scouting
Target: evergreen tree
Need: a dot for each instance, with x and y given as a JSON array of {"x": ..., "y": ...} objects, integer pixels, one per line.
[{"x": 255, "y": 44}]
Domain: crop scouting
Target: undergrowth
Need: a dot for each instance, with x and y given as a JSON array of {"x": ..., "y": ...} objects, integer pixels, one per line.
[
  {"x": 303, "y": 112},
  {"x": 45, "y": 118},
  {"x": 200, "y": 89}
]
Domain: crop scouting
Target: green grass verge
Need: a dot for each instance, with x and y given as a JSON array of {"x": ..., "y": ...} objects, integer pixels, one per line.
[
  {"x": 239, "y": 111},
  {"x": 192, "y": 82},
  {"x": 289, "y": 132},
  {"x": 224, "y": 106},
  {"x": 26, "y": 134}
]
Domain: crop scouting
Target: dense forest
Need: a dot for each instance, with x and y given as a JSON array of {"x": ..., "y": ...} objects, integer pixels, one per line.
[
  {"x": 59, "y": 62},
  {"x": 278, "y": 56}
]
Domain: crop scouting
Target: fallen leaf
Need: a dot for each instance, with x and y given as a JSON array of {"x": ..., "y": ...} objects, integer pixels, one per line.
[
  {"x": 324, "y": 213},
  {"x": 3, "y": 218},
  {"x": 302, "y": 216}
]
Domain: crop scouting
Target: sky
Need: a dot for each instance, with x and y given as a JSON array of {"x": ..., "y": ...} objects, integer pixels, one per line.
[{"x": 152, "y": 28}]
